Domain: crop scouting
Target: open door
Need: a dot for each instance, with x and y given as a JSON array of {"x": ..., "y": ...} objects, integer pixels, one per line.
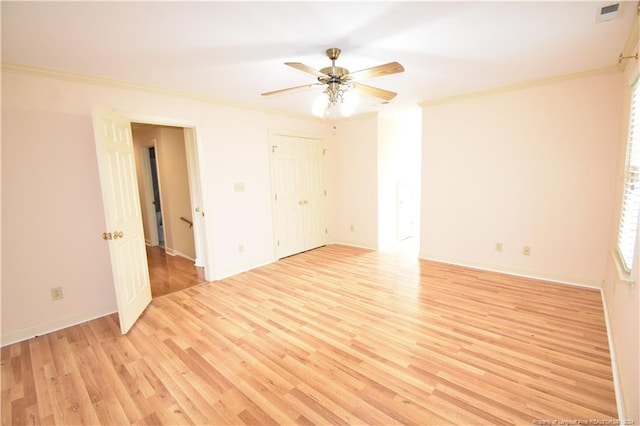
[{"x": 124, "y": 233}]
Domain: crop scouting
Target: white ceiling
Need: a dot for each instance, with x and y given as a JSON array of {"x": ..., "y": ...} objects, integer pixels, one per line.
[{"x": 236, "y": 50}]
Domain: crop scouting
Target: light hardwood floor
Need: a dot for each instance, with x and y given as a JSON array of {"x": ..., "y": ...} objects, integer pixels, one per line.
[
  {"x": 171, "y": 273},
  {"x": 333, "y": 336}
]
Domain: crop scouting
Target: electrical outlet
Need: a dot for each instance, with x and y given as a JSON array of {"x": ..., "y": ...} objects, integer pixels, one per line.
[
  {"x": 526, "y": 250},
  {"x": 241, "y": 248},
  {"x": 498, "y": 247},
  {"x": 56, "y": 293}
]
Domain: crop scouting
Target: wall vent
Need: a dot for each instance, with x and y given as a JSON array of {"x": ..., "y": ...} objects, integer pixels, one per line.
[{"x": 608, "y": 12}]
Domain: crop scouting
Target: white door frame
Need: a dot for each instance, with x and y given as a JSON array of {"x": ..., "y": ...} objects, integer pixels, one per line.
[{"x": 195, "y": 192}]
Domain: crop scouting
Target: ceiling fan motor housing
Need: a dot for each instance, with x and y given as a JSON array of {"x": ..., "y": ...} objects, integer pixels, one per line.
[{"x": 335, "y": 74}]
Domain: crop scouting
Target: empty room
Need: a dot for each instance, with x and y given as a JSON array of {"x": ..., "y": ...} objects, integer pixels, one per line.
[{"x": 413, "y": 212}]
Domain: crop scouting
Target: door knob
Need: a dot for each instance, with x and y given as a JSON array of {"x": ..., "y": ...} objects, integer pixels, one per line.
[
  {"x": 112, "y": 235},
  {"x": 306, "y": 201}
]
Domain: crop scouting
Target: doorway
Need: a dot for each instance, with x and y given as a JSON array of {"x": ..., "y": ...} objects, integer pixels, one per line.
[{"x": 165, "y": 186}]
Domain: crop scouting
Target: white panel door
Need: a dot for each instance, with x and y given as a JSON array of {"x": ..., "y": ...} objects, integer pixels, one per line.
[
  {"x": 287, "y": 198},
  {"x": 124, "y": 233},
  {"x": 299, "y": 195},
  {"x": 310, "y": 155}
]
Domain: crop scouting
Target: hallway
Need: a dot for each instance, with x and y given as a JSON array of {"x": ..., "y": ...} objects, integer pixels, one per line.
[{"x": 171, "y": 273}]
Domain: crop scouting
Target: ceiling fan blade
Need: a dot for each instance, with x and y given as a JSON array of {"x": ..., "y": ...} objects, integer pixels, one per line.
[
  {"x": 305, "y": 68},
  {"x": 290, "y": 89},
  {"x": 387, "y": 95},
  {"x": 380, "y": 70}
]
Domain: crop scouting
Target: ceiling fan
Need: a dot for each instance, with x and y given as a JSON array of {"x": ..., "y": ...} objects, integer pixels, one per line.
[{"x": 338, "y": 80}]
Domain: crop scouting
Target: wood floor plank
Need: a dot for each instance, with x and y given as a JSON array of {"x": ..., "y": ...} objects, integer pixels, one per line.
[
  {"x": 169, "y": 274},
  {"x": 338, "y": 335}
]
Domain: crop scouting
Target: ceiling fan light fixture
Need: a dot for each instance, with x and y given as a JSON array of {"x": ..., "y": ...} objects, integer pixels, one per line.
[
  {"x": 335, "y": 91},
  {"x": 349, "y": 103},
  {"x": 320, "y": 105},
  {"x": 340, "y": 81},
  {"x": 335, "y": 101},
  {"x": 344, "y": 106}
]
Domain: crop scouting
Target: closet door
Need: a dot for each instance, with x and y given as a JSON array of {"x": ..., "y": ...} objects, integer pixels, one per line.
[
  {"x": 314, "y": 216},
  {"x": 299, "y": 195},
  {"x": 287, "y": 198}
]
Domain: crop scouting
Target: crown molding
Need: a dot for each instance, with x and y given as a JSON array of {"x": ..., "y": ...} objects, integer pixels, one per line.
[
  {"x": 519, "y": 86},
  {"x": 121, "y": 84}
]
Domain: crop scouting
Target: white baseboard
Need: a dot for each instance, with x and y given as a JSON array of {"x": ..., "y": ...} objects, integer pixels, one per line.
[
  {"x": 172, "y": 252},
  {"x": 49, "y": 327},
  {"x": 543, "y": 276},
  {"x": 236, "y": 271},
  {"x": 355, "y": 245},
  {"x": 617, "y": 383}
]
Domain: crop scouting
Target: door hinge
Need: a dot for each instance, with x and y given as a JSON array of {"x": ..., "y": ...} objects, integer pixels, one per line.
[
  {"x": 326, "y": 231},
  {"x": 276, "y": 197},
  {"x": 324, "y": 151},
  {"x": 273, "y": 148},
  {"x": 278, "y": 243},
  {"x": 325, "y": 192}
]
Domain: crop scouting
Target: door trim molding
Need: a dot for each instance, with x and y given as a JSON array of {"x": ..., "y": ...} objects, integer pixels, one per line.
[{"x": 204, "y": 250}]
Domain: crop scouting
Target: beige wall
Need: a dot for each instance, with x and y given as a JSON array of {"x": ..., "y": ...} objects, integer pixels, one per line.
[
  {"x": 353, "y": 178},
  {"x": 52, "y": 218},
  {"x": 623, "y": 303},
  {"x": 174, "y": 182},
  {"x": 526, "y": 167}
]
